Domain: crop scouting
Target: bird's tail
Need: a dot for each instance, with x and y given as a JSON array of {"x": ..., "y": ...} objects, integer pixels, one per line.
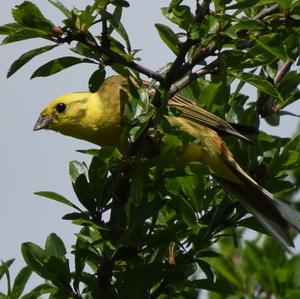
[{"x": 275, "y": 216}]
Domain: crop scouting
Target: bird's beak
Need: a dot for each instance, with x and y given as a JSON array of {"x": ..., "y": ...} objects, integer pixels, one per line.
[{"x": 42, "y": 122}]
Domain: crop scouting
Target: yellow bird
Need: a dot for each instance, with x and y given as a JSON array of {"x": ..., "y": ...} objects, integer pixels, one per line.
[{"x": 98, "y": 118}]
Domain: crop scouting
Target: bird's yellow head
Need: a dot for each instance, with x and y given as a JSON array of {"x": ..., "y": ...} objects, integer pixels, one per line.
[
  {"x": 95, "y": 117},
  {"x": 64, "y": 113}
]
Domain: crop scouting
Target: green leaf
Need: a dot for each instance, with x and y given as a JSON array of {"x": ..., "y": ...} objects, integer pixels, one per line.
[
  {"x": 76, "y": 169},
  {"x": 227, "y": 270},
  {"x": 206, "y": 268},
  {"x": 85, "y": 51},
  {"x": 61, "y": 293},
  {"x": 26, "y": 33},
  {"x": 97, "y": 79},
  {"x": 57, "y": 271},
  {"x": 61, "y": 7},
  {"x": 137, "y": 186},
  {"x": 169, "y": 37},
  {"x": 117, "y": 13},
  {"x": 121, "y": 3},
  {"x": 76, "y": 216},
  {"x": 80, "y": 259},
  {"x": 10, "y": 28},
  {"x": 4, "y": 266},
  {"x": 288, "y": 85},
  {"x": 180, "y": 15},
  {"x": 26, "y": 57},
  {"x": 252, "y": 223},
  {"x": 100, "y": 4},
  {"x": 98, "y": 173},
  {"x": 274, "y": 43},
  {"x": 130, "y": 289},
  {"x": 285, "y": 4},
  {"x": 55, "y": 247},
  {"x": 57, "y": 197},
  {"x": 34, "y": 256},
  {"x": 260, "y": 83},
  {"x": 105, "y": 154},
  {"x": 28, "y": 14},
  {"x": 57, "y": 65},
  {"x": 38, "y": 291},
  {"x": 79, "y": 173},
  {"x": 287, "y": 160},
  {"x": 209, "y": 93},
  {"x": 121, "y": 70},
  {"x": 20, "y": 282},
  {"x": 83, "y": 20},
  {"x": 184, "y": 210},
  {"x": 245, "y": 24},
  {"x": 83, "y": 193},
  {"x": 48, "y": 267},
  {"x": 174, "y": 3},
  {"x": 229, "y": 58},
  {"x": 205, "y": 30}
]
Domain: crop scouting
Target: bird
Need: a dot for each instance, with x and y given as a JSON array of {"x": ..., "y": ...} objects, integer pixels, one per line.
[{"x": 98, "y": 118}]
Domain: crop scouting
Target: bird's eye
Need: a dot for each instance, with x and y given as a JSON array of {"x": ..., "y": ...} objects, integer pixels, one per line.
[{"x": 60, "y": 107}]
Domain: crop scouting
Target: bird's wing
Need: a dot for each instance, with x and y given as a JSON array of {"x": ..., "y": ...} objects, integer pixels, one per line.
[{"x": 190, "y": 110}]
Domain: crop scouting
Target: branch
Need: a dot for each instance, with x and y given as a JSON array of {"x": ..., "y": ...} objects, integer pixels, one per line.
[
  {"x": 179, "y": 67},
  {"x": 186, "y": 80},
  {"x": 118, "y": 191},
  {"x": 200, "y": 55},
  {"x": 267, "y": 11},
  {"x": 263, "y": 98},
  {"x": 203, "y": 53},
  {"x": 285, "y": 67},
  {"x": 105, "y": 274},
  {"x": 113, "y": 57}
]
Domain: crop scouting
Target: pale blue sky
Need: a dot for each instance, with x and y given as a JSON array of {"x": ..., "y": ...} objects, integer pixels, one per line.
[{"x": 39, "y": 161}]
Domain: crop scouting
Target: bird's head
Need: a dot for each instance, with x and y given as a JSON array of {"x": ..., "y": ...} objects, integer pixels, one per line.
[
  {"x": 63, "y": 113},
  {"x": 94, "y": 117}
]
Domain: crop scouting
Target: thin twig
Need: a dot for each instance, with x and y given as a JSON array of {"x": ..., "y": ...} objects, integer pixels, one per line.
[{"x": 113, "y": 57}]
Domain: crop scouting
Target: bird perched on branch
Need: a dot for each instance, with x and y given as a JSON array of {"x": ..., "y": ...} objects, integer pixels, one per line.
[{"x": 98, "y": 118}]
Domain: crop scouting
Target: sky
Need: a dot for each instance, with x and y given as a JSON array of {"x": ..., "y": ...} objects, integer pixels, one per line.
[{"x": 38, "y": 161}]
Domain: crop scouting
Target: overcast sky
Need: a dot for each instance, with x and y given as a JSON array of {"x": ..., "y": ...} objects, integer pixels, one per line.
[{"x": 39, "y": 161}]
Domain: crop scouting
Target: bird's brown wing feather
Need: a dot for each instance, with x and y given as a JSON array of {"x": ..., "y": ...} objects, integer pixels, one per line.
[{"x": 190, "y": 110}]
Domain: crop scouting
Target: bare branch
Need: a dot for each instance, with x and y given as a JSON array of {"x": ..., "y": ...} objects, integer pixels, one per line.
[
  {"x": 186, "y": 80},
  {"x": 285, "y": 67},
  {"x": 267, "y": 11}
]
